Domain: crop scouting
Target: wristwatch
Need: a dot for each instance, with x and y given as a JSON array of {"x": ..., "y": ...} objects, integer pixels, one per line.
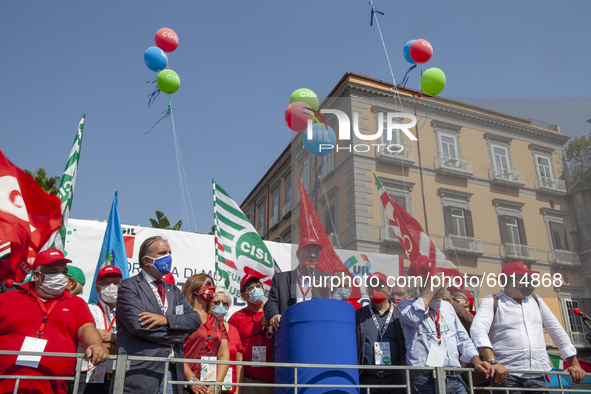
[
  {"x": 191, "y": 379},
  {"x": 493, "y": 361}
]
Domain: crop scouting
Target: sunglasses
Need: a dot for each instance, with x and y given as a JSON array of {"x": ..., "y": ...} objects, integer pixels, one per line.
[
  {"x": 252, "y": 287},
  {"x": 216, "y": 303}
]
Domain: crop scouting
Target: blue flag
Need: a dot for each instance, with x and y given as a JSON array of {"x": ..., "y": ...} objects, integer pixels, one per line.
[{"x": 112, "y": 251}]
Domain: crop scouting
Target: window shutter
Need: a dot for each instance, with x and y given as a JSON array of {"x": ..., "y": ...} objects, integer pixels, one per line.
[
  {"x": 521, "y": 227},
  {"x": 449, "y": 227},
  {"x": 558, "y": 234},
  {"x": 503, "y": 228},
  {"x": 469, "y": 225}
]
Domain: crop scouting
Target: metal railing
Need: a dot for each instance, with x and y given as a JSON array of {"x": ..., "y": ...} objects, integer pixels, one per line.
[
  {"x": 274, "y": 220},
  {"x": 437, "y": 373},
  {"x": 286, "y": 209},
  {"x": 453, "y": 165},
  {"x": 506, "y": 176},
  {"x": 564, "y": 257},
  {"x": 388, "y": 234},
  {"x": 516, "y": 251},
  {"x": 551, "y": 185},
  {"x": 464, "y": 244},
  {"x": 405, "y": 156}
]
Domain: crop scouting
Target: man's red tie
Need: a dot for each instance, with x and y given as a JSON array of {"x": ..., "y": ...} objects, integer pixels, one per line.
[{"x": 161, "y": 292}]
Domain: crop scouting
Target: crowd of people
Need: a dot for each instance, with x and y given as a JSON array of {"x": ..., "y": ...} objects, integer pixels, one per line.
[{"x": 148, "y": 315}]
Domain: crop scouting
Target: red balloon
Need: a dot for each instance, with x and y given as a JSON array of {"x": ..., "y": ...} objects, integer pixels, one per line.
[
  {"x": 166, "y": 39},
  {"x": 421, "y": 51},
  {"x": 296, "y": 116}
]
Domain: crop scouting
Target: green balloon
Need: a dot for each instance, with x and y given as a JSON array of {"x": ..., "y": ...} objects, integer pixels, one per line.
[
  {"x": 306, "y": 96},
  {"x": 433, "y": 81},
  {"x": 168, "y": 81}
]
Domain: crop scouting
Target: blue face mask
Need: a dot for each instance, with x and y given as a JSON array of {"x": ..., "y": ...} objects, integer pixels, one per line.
[
  {"x": 162, "y": 264},
  {"x": 220, "y": 310},
  {"x": 256, "y": 296}
]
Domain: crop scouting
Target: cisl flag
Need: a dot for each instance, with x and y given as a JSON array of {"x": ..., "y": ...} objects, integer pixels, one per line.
[{"x": 28, "y": 217}]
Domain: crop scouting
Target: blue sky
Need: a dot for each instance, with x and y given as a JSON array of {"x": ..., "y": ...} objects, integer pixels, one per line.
[{"x": 238, "y": 63}]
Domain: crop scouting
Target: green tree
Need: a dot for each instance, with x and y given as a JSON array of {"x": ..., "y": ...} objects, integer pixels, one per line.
[
  {"x": 48, "y": 184},
  {"x": 578, "y": 154},
  {"x": 163, "y": 223}
]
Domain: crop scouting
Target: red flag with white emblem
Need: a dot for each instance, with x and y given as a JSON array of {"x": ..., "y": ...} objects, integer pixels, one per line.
[{"x": 28, "y": 217}]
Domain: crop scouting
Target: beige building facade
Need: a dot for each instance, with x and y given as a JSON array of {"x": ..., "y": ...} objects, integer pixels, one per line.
[{"x": 487, "y": 187}]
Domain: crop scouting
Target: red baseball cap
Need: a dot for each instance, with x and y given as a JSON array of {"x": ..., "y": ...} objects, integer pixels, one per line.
[
  {"x": 246, "y": 280},
  {"x": 468, "y": 295},
  {"x": 518, "y": 268},
  {"x": 50, "y": 256},
  {"x": 309, "y": 241},
  {"x": 169, "y": 278},
  {"x": 108, "y": 270},
  {"x": 381, "y": 277}
]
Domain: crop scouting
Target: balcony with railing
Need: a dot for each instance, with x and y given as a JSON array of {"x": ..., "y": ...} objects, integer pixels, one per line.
[
  {"x": 388, "y": 235},
  {"x": 511, "y": 251},
  {"x": 274, "y": 220},
  {"x": 406, "y": 157},
  {"x": 286, "y": 209},
  {"x": 453, "y": 166},
  {"x": 564, "y": 258},
  {"x": 506, "y": 177},
  {"x": 334, "y": 240},
  {"x": 261, "y": 231},
  {"x": 549, "y": 185},
  {"x": 578, "y": 339},
  {"x": 467, "y": 246}
]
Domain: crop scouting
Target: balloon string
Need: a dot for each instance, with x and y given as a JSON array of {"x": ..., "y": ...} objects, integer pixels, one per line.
[
  {"x": 166, "y": 113},
  {"x": 153, "y": 95},
  {"x": 406, "y": 78}
]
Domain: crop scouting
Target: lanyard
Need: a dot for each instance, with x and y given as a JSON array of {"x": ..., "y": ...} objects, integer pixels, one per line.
[
  {"x": 259, "y": 323},
  {"x": 105, "y": 318},
  {"x": 437, "y": 327},
  {"x": 301, "y": 289},
  {"x": 163, "y": 307},
  {"x": 373, "y": 315},
  {"x": 45, "y": 313},
  {"x": 208, "y": 327}
]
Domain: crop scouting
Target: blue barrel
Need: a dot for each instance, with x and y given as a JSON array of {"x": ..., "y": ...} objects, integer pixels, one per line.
[{"x": 320, "y": 331}]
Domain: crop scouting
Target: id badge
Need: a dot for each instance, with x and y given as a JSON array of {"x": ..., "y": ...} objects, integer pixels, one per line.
[
  {"x": 382, "y": 353},
  {"x": 96, "y": 373},
  {"x": 436, "y": 355},
  {"x": 31, "y": 345},
  {"x": 179, "y": 310},
  {"x": 208, "y": 371},
  {"x": 259, "y": 354},
  {"x": 228, "y": 380}
]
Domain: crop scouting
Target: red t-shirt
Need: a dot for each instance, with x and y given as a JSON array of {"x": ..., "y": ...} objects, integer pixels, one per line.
[
  {"x": 251, "y": 332},
  {"x": 196, "y": 344},
  {"x": 235, "y": 344},
  {"x": 20, "y": 317}
]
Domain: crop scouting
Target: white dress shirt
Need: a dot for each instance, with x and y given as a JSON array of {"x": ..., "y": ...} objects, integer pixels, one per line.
[
  {"x": 303, "y": 280},
  {"x": 99, "y": 320},
  {"x": 515, "y": 333},
  {"x": 418, "y": 327}
]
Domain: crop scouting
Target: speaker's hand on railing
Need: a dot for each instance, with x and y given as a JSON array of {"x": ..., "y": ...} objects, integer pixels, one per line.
[
  {"x": 97, "y": 354},
  {"x": 500, "y": 373},
  {"x": 577, "y": 373}
]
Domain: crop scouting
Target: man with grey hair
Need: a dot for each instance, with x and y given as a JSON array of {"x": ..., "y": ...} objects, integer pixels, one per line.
[{"x": 153, "y": 318}]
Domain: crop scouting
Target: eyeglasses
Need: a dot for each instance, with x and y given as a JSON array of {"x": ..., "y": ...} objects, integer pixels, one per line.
[
  {"x": 252, "y": 287},
  {"x": 115, "y": 282},
  {"x": 216, "y": 303}
]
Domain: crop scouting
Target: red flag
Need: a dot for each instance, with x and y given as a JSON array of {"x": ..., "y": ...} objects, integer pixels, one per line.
[
  {"x": 28, "y": 217},
  {"x": 413, "y": 238},
  {"x": 310, "y": 226}
]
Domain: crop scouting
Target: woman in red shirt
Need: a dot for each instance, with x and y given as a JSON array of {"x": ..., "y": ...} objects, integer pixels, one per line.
[
  {"x": 210, "y": 339},
  {"x": 220, "y": 305}
]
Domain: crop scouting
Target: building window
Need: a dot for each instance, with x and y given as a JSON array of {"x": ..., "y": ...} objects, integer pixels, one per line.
[
  {"x": 512, "y": 230},
  {"x": 306, "y": 175},
  {"x": 328, "y": 164},
  {"x": 576, "y": 325},
  {"x": 458, "y": 222},
  {"x": 558, "y": 236},
  {"x": 261, "y": 220},
  {"x": 544, "y": 167},
  {"x": 448, "y": 147},
  {"x": 329, "y": 220},
  {"x": 275, "y": 207},
  {"x": 287, "y": 191}
]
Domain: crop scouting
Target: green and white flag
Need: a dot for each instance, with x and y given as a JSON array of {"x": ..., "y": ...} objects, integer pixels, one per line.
[
  {"x": 66, "y": 190},
  {"x": 239, "y": 249}
]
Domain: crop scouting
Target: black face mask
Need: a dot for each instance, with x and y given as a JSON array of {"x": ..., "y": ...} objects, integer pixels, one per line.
[{"x": 527, "y": 291}]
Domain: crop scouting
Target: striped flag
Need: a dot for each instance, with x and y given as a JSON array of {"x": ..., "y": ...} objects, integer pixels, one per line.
[
  {"x": 411, "y": 235},
  {"x": 66, "y": 190},
  {"x": 239, "y": 250}
]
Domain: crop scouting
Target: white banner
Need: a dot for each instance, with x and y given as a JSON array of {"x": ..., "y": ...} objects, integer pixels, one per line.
[{"x": 194, "y": 253}]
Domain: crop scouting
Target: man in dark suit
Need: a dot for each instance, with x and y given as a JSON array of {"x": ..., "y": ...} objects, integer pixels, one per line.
[
  {"x": 380, "y": 340},
  {"x": 152, "y": 319},
  {"x": 288, "y": 288}
]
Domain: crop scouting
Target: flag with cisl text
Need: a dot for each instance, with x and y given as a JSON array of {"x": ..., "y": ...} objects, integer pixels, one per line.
[
  {"x": 239, "y": 249},
  {"x": 28, "y": 217},
  {"x": 66, "y": 189},
  {"x": 412, "y": 237}
]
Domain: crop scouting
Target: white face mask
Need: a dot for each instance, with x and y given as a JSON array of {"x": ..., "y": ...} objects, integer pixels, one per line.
[
  {"x": 54, "y": 284},
  {"x": 109, "y": 293},
  {"x": 435, "y": 305}
]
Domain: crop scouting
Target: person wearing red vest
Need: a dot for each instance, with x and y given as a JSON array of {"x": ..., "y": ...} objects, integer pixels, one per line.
[{"x": 45, "y": 317}]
